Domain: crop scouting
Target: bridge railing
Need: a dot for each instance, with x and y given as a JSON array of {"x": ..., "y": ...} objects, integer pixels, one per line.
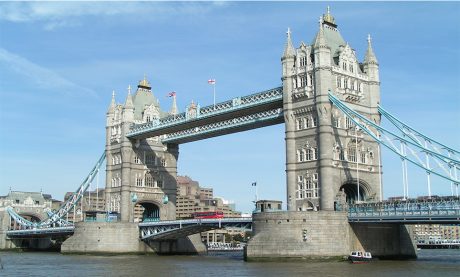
[
  {"x": 409, "y": 208},
  {"x": 211, "y": 110}
]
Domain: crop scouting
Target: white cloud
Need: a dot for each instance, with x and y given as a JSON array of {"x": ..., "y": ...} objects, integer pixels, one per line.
[
  {"x": 58, "y": 14},
  {"x": 40, "y": 76}
]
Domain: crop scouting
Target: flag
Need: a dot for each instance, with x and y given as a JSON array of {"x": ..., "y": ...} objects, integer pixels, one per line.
[
  {"x": 212, "y": 81},
  {"x": 171, "y": 94},
  {"x": 254, "y": 184}
]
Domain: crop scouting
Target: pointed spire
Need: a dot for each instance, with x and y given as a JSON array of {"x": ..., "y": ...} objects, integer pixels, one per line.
[
  {"x": 289, "y": 49},
  {"x": 320, "y": 41},
  {"x": 174, "y": 109},
  {"x": 112, "y": 103},
  {"x": 129, "y": 99},
  {"x": 370, "y": 57}
]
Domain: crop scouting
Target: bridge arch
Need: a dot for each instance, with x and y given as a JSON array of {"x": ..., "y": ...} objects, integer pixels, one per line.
[
  {"x": 350, "y": 189},
  {"x": 146, "y": 210}
]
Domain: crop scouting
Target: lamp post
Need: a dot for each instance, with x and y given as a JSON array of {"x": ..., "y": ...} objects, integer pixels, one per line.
[{"x": 134, "y": 200}]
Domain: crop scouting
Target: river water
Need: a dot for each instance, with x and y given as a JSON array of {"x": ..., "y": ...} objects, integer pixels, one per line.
[{"x": 433, "y": 263}]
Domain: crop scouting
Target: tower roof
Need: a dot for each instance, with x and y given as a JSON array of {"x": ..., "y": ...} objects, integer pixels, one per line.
[
  {"x": 129, "y": 100},
  {"x": 289, "y": 48},
  {"x": 112, "y": 103},
  {"x": 370, "y": 57},
  {"x": 144, "y": 83},
  {"x": 328, "y": 18},
  {"x": 330, "y": 33}
]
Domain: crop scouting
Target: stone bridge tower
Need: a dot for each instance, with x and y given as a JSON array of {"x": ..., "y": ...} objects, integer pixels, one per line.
[
  {"x": 140, "y": 175},
  {"x": 326, "y": 156}
]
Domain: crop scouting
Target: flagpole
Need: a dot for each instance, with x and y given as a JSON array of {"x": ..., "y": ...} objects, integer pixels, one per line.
[{"x": 214, "y": 92}]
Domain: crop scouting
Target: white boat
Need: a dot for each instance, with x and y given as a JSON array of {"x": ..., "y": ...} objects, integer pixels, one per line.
[{"x": 360, "y": 257}]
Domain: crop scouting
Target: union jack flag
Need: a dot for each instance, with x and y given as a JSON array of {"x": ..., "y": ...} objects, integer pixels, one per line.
[
  {"x": 171, "y": 94},
  {"x": 212, "y": 81}
]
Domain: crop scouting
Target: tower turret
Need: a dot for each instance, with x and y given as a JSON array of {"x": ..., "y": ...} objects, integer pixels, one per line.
[
  {"x": 112, "y": 104},
  {"x": 371, "y": 65},
  {"x": 288, "y": 57},
  {"x": 128, "y": 109},
  {"x": 321, "y": 48},
  {"x": 174, "y": 109}
]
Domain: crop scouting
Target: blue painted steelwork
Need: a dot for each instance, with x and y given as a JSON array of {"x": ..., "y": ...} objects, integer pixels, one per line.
[
  {"x": 37, "y": 232},
  {"x": 217, "y": 127},
  {"x": 173, "y": 229},
  {"x": 407, "y": 212},
  {"x": 231, "y": 106},
  {"x": 418, "y": 137},
  {"x": 387, "y": 138},
  {"x": 56, "y": 219}
]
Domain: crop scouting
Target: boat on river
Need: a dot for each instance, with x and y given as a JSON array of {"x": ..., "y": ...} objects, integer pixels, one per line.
[{"x": 360, "y": 257}]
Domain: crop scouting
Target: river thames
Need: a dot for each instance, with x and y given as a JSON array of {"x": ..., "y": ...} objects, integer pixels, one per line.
[{"x": 441, "y": 263}]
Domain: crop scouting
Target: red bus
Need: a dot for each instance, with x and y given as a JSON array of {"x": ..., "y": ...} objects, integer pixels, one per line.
[{"x": 203, "y": 215}]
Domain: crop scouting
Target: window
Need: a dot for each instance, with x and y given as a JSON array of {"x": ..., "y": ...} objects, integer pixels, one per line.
[
  {"x": 149, "y": 181},
  {"x": 149, "y": 158},
  {"x": 299, "y": 124},
  {"x": 310, "y": 80},
  {"x": 315, "y": 153},
  {"x": 348, "y": 123},
  {"x": 139, "y": 180},
  {"x": 160, "y": 184},
  {"x": 163, "y": 162},
  {"x": 336, "y": 122},
  {"x": 344, "y": 65},
  {"x": 338, "y": 81},
  {"x": 303, "y": 81},
  {"x": 137, "y": 160},
  {"x": 37, "y": 202},
  {"x": 309, "y": 154},
  {"x": 350, "y": 67},
  {"x": 363, "y": 157},
  {"x": 301, "y": 155},
  {"x": 351, "y": 153},
  {"x": 303, "y": 61}
]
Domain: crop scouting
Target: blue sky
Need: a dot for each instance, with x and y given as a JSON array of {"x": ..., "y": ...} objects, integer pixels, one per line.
[{"x": 59, "y": 63}]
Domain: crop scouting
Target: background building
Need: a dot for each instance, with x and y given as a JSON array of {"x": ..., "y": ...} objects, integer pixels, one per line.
[
  {"x": 91, "y": 201},
  {"x": 192, "y": 198},
  {"x": 436, "y": 232}
]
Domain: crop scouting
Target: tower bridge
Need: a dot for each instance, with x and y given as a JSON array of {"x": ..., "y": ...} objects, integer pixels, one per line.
[{"x": 330, "y": 106}]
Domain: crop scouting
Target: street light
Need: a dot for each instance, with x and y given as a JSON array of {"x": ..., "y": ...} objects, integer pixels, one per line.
[{"x": 134, "y": 200}]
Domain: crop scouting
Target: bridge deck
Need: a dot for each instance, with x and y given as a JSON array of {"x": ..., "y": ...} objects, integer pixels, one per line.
[{"x": 223, "y": 113}]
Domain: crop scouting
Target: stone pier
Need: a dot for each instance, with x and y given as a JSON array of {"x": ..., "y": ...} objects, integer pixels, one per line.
[
  {"x": 324, "y": 235},
  {"x": 123, "y": 238}
]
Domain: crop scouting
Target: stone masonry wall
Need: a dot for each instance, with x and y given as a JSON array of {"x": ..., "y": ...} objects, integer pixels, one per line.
[{"x": 299, "y": 234}]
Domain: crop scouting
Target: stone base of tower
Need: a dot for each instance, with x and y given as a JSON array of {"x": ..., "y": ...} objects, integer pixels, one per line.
[
  {"x": 123, "y": 238},
  {"x": 323, "y": 235}
]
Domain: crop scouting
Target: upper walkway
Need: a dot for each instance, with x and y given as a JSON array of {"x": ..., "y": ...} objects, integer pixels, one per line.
[{"x": 236, "y": 115}]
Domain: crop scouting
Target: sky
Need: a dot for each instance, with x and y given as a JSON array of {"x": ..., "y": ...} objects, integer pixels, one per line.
[{"x": 60, "y": 62}]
